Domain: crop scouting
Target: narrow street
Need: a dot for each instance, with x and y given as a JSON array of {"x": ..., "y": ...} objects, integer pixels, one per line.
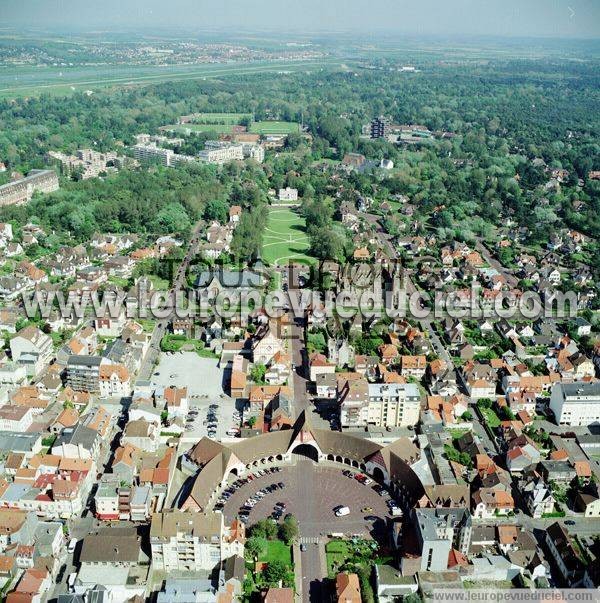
[
  {"x": 494, "y": 263},
  {"x": 153, "y": 352}
]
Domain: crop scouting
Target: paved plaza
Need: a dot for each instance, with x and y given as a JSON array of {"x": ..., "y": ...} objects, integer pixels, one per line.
[
  {"x": 201, "y": 376},
  {"x": 310, "y": 494}
]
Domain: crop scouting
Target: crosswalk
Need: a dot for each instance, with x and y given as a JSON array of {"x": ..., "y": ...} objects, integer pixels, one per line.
[{"x": 308, "y": 540}]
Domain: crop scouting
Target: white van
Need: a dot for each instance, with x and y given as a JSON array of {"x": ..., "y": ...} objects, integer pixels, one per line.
[
  {"x": 71, "y": 581},
  {"x": 341, "y": 511}
]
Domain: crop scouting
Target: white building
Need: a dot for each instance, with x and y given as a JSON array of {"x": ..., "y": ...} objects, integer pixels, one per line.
[
  {"x": 394, "y": 404},
  {"x": 288, "y": 194},
  {"x": 12, "y": 373},
  {"x": 15, "y": 418},
  {"x": 576, "y": 404},
  {"x": 379, "y": 404},
  {"x": 219, "y": 152},
  {"x": 167, "y": 157},
  {"x": 184, "y": 541},
  {"x": 31, "y": 348},
  {"x": 142, "y": 435},
  {"x": 114, "y": 381},
  {"x": 254, "y": 151}
]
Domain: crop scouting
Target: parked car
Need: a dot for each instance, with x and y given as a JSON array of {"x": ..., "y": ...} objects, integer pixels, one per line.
[{"x": 71, "y": 582}]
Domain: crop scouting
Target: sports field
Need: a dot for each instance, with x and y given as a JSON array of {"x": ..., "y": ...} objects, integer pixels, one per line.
[
  {"x": 221, "y": 118},
  {"x": 285, "y": 238},
  {"x": 222, "y": 123},
  {"x": 204, "y": 127},
  {"x": 274, "y": 127}
]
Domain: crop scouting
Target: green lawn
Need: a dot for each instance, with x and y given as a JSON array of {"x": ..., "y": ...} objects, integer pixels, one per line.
[
  {"x": 160, "y": 284},
  {"x": 277, "y": 550},
  {"x": 359, "y": 552},
  {"x": 285, "y": 237},
  {"x": 274, "y": 127},
  {"x": 491, "y": 418},
  {"x": 213, "y": 128},
  {"x": 225, "y": 118},
  {"x": 222, "y": 123},
  {"x": 337, "y": 553}
]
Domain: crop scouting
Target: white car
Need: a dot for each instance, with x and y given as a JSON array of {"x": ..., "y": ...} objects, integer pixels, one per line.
[
  {"x": 71, "y": 546},
  {"x": 342, "y": 511}
]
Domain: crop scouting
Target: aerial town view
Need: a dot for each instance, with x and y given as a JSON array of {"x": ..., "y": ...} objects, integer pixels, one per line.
[{"x": 299, "y": 301}]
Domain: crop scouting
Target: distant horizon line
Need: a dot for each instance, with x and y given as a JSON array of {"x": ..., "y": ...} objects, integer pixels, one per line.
[{"x": 302, "y": 33}]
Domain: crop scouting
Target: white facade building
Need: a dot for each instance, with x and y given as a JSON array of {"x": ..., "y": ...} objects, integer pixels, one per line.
[
  {"x": 183, "y": 541},
  {"x": 394, "y": 404},
  {"x": 218, "y": 152},
  {"x": 288, "y": 194},
  {"x": 576, "y": 404}
]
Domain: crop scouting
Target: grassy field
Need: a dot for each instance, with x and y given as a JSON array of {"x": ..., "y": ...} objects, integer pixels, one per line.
[
  {"x": 285, "y": 237},
  {"x": 214, "y": 128},
  {"x": 222, "y": 123},
  {"x": 221, "y": 118},
  {"x": 274, "y": 127},
  {"x": 33, "y": 80}
]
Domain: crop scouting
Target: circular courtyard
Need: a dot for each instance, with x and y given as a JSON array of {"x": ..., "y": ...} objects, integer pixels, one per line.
[{"x": 311, "y": 492}]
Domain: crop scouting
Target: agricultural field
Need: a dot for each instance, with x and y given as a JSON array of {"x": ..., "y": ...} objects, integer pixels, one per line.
[{"x": 285, "y": 238}]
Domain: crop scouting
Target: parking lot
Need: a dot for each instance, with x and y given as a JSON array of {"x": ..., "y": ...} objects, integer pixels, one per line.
[
  {"x": 212, "y": 412},
  {"x": 201, "y": 376},
  {"x": 311, "y": 493}
]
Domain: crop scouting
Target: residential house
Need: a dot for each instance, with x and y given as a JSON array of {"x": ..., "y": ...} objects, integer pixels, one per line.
[
  {"x": 141, "y": 434},
  {"x": 319, "y": 365},
  {"x": 565, "y": 555},
  {"x": 15, "y": 418},
  {"x": 538, "y": 498},
  {"x": 347, "y": 588},
  {"x": 176, "y": 399},
  {"x": 114, "y": 381},
  {"x": 489, "y": 502},
  {"x": 31, "y": 348},
  {"x": 413, "y": 366}
]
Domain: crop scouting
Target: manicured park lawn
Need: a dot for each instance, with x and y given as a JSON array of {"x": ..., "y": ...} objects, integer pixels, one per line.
[{"x": 285, "y": 237}]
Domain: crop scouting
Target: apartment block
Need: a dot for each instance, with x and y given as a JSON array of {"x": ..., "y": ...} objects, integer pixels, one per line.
[{"x": 21, "y": 191}]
